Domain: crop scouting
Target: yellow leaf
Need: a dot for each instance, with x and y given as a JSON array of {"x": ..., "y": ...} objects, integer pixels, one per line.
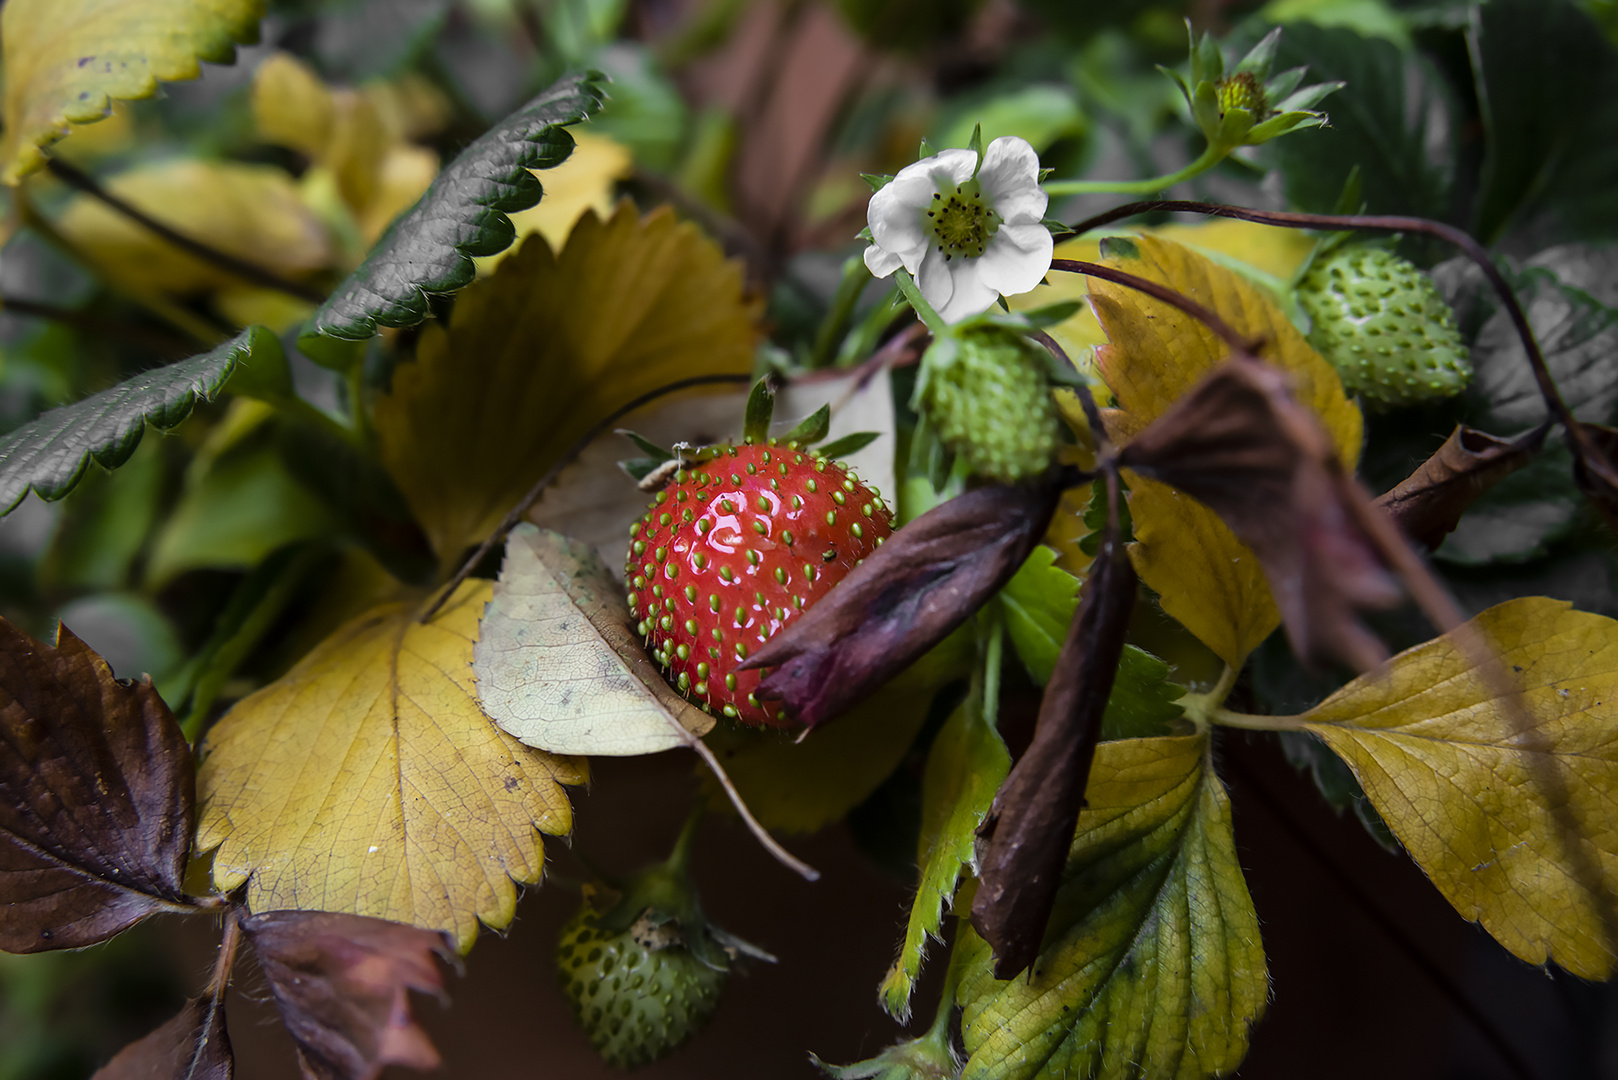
[
  {"x": 368, "y": 781},
  {"x": 250, "y": 211},
  {"x": 557, "y": 664},
  {"x": 542, "y": 350},
  {"x": 402, "y": 177},
  {"x": 582, "y": 183},
  {"x": 1474, "y": 800},
  {"x": 65, "y": 60},
  {"x": 292, "y": 107},
  {"x": 1208, "y": 580}
]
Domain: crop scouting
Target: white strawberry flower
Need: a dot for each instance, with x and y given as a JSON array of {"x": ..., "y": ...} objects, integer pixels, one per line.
[{"x": 968, "y": 229}]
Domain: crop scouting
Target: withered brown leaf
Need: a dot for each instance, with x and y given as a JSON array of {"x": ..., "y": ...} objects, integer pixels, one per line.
[
  {"x": 1024, "y": 840},
  {"x": 926, "y": 580},
  {"x": 1428, "y": 504},
  {"x": 97, "y": 797},
  {"x": 1595, "y": 468},
  {"x": 192, "y": 1046},
  {"x": 1241, "y": 444},
  {"x": 342, "y": 984}
]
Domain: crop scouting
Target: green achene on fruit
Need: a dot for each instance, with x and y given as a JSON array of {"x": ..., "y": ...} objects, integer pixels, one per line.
[{"x": 1381, "y": 323}]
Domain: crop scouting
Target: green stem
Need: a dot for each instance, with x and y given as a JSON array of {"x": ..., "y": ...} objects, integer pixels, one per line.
[
  {"x": 1204, "y": 709},
  {"x": 1249, "y": 722},
  {"x": 841, "y": 315},
  {"x": 922, "y": 308},
  {"x": 993, "y": 652},
  {"x": 679, "y": 860},
  {"x": 1210, "y": 157}
]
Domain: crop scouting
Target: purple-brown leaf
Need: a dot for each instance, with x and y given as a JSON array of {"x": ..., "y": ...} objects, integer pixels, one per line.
[
  {"x": 342, "y": 983},
  {"x": 1429, "y": 503},
  {"x": 1024, "y": 840},
  {"x": 926, "y": 580},
  {"x": 1241, "y": 444},
  {"x": 1595, "y": 450},
  {"x": 97, "y": 797},
  {"x": 192, "y": 1046}
]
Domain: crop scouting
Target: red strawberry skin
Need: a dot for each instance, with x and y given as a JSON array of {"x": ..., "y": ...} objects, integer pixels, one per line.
[{"x": 731, "y": 551}]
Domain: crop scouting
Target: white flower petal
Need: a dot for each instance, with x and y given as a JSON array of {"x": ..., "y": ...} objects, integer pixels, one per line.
[
  {"x": 1010, "y": 178},
  {"x": 947, "y": 168},
  {"x": 881, "y": 262},
  {"x": 971, "y": 296},
  {"x": 936, "y": 279},
  {"x": 896, "y": 215},
  {"x": 1017, "y": 258}
]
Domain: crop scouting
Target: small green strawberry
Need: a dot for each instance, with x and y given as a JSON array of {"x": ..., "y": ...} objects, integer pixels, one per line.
[
  {"x": 986, "y": 392},
  {"x": 742, "y": 540},
  {"x": 1380, "y": 322},
  {"x": 641, "y": 966}
]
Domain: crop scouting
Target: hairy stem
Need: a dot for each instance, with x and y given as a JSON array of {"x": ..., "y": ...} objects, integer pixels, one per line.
[
  {"x": 923, "y": 309},
  {"x": 1210, "y": 157},
  {"x": 258, "y": 275}
]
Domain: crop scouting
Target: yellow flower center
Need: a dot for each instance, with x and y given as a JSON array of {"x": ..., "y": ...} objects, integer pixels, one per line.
[
  {"x": 1242, "y": 91},
  {"x": 960, "y": 223}
]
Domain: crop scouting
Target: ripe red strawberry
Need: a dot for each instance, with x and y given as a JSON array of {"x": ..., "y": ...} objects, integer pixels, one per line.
[{"x": 731, "y": 550}]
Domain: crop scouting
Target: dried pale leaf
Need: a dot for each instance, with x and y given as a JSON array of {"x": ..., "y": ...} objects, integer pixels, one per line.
[
  {"x": 252, "y": 212},
  {"x": 965, "y": 766},
  {"x": 195, "y": 1045},
  {"x": 593, "y": 501},
  {"x": 66, "y": 60},
  {"x": 1474, "y": 799},
  {"x": 96, "y": 797},
  {"x": 342, "y": 984},
  {"x": 1429, "y": 503},
  {"x": 558, "y": 664},
  {"x": 1155, "y": 355},
  {"x": 1152, "y": 965},
  {"x": 544, "y": 348},
  {"x": 368, "y": 781}
]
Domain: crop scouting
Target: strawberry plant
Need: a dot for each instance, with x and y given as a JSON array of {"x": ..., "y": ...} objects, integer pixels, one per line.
[{"x": 1128, "y": 580}]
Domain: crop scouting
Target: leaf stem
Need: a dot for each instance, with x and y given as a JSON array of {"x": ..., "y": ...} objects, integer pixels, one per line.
[
  {"x": 156, "y": 340},
  {"x": 993, "y": 654},
  {"x": 841, "y": 314},
  {"x": 1204, "y": 709},
  {"x": 1248, "y": 721},
  {"x": 1209, "y": 157},
  {"x": 225, "y": 961},
  {"x": 76, "y": 178},
  {"x": 1169, "y": 296},
  {"x": 919, "y": 304}
]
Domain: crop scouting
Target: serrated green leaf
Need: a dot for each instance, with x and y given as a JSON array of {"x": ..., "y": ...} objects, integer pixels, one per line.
[
  {"x": 51, "y": 454},
  {"x": 965, "y": 767},
  {"x": 429, "y": 250},
  {"x": 1152, "y": 964},
  {"x": 1039, "y": 602},
  {"x": 67, "y": 60}
]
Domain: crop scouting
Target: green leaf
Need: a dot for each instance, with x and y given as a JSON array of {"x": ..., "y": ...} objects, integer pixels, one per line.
[
  {"x": 1141, "y": 704},
  {"x": 67, "y": 60},
  {"x": 965, "y": 767},
  {"x": 51, "y": 454},
  {"x": 1041, "y": 113},
  {"x": 429, "y": 250},
  {"x": 813, "y": 428},
  {"x": 1039, "y": 602},
  {"x": 1392, "y": 120},
  {"x": 1152, "y": 964},
  {"x": 1547, "y": 84}
]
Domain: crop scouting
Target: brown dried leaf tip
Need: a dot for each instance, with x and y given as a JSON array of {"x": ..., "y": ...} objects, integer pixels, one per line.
[
  {"x": 1429, "y": 503},
  {"x": 1241, "y": 444},
  {"x": 192, "y": 1046},
  {"x": 97, "y": 797},
  {"x": 342, "y": 984},
  {"x": 926, "y": 580},
  {"x": 1023, "y": 842}
]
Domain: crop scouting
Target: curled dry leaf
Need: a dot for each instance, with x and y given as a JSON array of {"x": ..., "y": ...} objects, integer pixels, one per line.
[
  {"x": 926, "y": 580},
  {"x": 1023, "y": 842},
  {"x": 342, "y": 984},
  {"x": 192, "y": 1046},
  {"x": 97, "y": 797},
  {"x": 558, "y": 665},
  {"x": 1429, "y": 503},
  {"x": 1242, "y": 445}
]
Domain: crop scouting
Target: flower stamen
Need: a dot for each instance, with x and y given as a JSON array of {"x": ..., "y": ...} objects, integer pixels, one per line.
[{"x": 962, "y": 224}]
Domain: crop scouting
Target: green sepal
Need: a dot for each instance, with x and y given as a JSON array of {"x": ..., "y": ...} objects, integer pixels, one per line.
[
  {"x": 760, "y": 411},
  {"x": 645, "y": 445},
  {"x": 975, "y": 144},
  {"x": 812, "y": 430},
  {"x": 878, "y": 181},
  {"x": 849, "y": 444},
  {"x": 640, "y": 468}
]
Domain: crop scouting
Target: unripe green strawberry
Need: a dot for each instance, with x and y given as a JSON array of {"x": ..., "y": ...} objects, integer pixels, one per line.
[
  {"x": 733, "y": 549},
  {"x": 986, "y": 394},
  {"x": 1380, "y": 322},
  {"x": 638, "y": 992},
  {"x": 1242, "y": 91}
]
